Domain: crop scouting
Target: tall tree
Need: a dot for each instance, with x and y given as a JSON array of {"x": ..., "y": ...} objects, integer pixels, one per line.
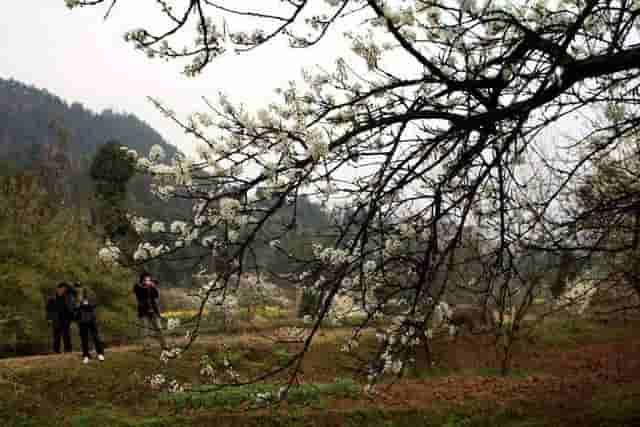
[
  {"x": 111, "y": 170},
  {"x": 607, "y": 213},
  {"x": 438, "y": 117}
]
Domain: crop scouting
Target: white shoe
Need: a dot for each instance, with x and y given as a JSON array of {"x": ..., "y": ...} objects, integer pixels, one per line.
[
  {"x": 85, "y": 360},
  {"x": 101, "y": 357}
]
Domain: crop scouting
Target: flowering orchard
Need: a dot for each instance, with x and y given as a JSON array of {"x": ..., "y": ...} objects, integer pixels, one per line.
[{"x": 435, "y": 135}]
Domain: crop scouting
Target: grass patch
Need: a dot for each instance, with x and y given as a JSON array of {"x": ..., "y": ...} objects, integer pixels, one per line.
[
  {"x": 617, "y": 412},
  {"x": 282, "y": 355},
  {"x": 616, "y": 406},
  {"x": 573, "y": 332},
  {"x": 256, "y": 395}
]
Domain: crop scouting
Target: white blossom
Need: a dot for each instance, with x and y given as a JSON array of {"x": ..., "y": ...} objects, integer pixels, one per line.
[
  {"x": 229, "y": 208},
  {"x": 178, "y": 227},
  {"x": 173, "y": 323},
  {"x": 140, "y": 224},
  {"x": 157, "y": 227},
  {"x": 109, "y": 253},
  {"x": 156, "y": 153}
]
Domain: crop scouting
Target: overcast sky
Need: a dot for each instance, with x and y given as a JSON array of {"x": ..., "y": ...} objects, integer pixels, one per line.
[{"x": 80, "y": 57}]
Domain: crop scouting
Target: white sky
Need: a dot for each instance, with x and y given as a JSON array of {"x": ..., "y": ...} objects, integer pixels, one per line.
[{"x": 80, "y": 57}]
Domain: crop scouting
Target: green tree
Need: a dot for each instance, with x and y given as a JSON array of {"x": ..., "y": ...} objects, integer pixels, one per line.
[{"x": 111, "y": 170}]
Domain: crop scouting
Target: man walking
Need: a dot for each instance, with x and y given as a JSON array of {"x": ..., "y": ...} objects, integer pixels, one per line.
[
  {"x": 147, "y": 297},
  {"x": 60, "y": 311}
]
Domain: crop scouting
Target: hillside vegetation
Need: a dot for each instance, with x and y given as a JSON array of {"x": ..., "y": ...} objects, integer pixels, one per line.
[
  {"x": 26, "y": 115},
  {"x": 42, "y": 245}
]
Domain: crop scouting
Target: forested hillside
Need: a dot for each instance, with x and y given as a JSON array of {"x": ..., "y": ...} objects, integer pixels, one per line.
[
  {"x": 55, "y": 141},
  {"x": 28, "y": 117}
]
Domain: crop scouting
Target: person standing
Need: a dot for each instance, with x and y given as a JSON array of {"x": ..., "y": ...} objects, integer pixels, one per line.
[
  {"x": 147, "y": 296},
  {"x": 60, "y": 312},
  {"x": 88, "y": 324}
]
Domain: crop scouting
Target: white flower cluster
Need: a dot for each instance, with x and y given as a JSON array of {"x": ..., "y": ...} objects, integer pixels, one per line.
[
  {"x": 391, "y": 247},
  {"x": 156, "y": 381},
  {"x": 161, "y": 382},
  {"x": 110, "y": 253},
  {"x": 267, "y": 397},
  {"x": 207, "y": 369},
  {"x": 146, "y": 251},
  {"x": 274, "y": 244},
  {"x": 344, "y": 307},
  {"x": 369, "y": 267},
  {"x": 156, "y": 153},
  {"x": 140, "y": 224},
  {"x": 173, "y": 323},
  {"x": 175, "y": 387},
  {"x": 318, "y": 149},
  {"x": 172, "y": 353},
  {"x": 131, "y": 153},
  {"x": 163, "y": 192},
  {"x": 179, "y": 227},
  {"x": 331, "y": 256},
  {"x": 407, "y": 230},
  {"x": 229, "y": 209},
  {"x": 578, "y": 297},
  {"x": 158, "y": 227},
  {"x": 395, "y": 339},
  {"x": 263, "y": 398},
  {"x": 179, "y": 172},
  {"x": 226, "y": 364}
]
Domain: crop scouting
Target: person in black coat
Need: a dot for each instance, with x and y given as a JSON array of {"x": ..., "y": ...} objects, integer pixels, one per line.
[
  {"x": 60, "y": 313},
  {"x": 87, "y": 322},
  {"x": 147, "y": 296}
]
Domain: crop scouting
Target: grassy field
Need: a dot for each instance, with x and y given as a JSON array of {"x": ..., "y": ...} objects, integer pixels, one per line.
[{"x": 571, "y": 373}]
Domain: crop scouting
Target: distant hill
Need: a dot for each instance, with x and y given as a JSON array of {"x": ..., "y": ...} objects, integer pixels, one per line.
[
  {"x": 31, "y": 122},
  {"x": 27, "y": 114},
  {"x": 45, "y": 136}
]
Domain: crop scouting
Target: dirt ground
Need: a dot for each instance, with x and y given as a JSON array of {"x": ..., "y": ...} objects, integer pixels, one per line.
[{"x": 561, "y": 379}]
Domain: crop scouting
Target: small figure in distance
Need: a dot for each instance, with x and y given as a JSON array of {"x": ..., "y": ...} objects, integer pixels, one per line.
[
  {"x": 147, "y": 296},
  {"x": 60, "y": 313},
  {"x": 88, "y": 323}
]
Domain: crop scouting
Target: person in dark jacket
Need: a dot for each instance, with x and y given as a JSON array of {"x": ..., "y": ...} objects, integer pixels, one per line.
[
  {"x": 147, "y": 296},
  {"x": 87, "y": 323},
  {"x": 60, "y": 312}
]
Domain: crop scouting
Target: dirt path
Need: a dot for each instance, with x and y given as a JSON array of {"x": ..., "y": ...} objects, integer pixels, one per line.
[{"x": 246, "y": 339}]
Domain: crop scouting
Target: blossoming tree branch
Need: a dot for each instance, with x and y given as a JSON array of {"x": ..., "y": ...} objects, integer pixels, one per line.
[{"x": 437, "y": 135}]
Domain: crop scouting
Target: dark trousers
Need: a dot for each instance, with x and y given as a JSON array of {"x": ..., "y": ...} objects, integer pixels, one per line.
[
  {"x": 86, "y": 329},
  {"x": 61, "y": 329}
]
